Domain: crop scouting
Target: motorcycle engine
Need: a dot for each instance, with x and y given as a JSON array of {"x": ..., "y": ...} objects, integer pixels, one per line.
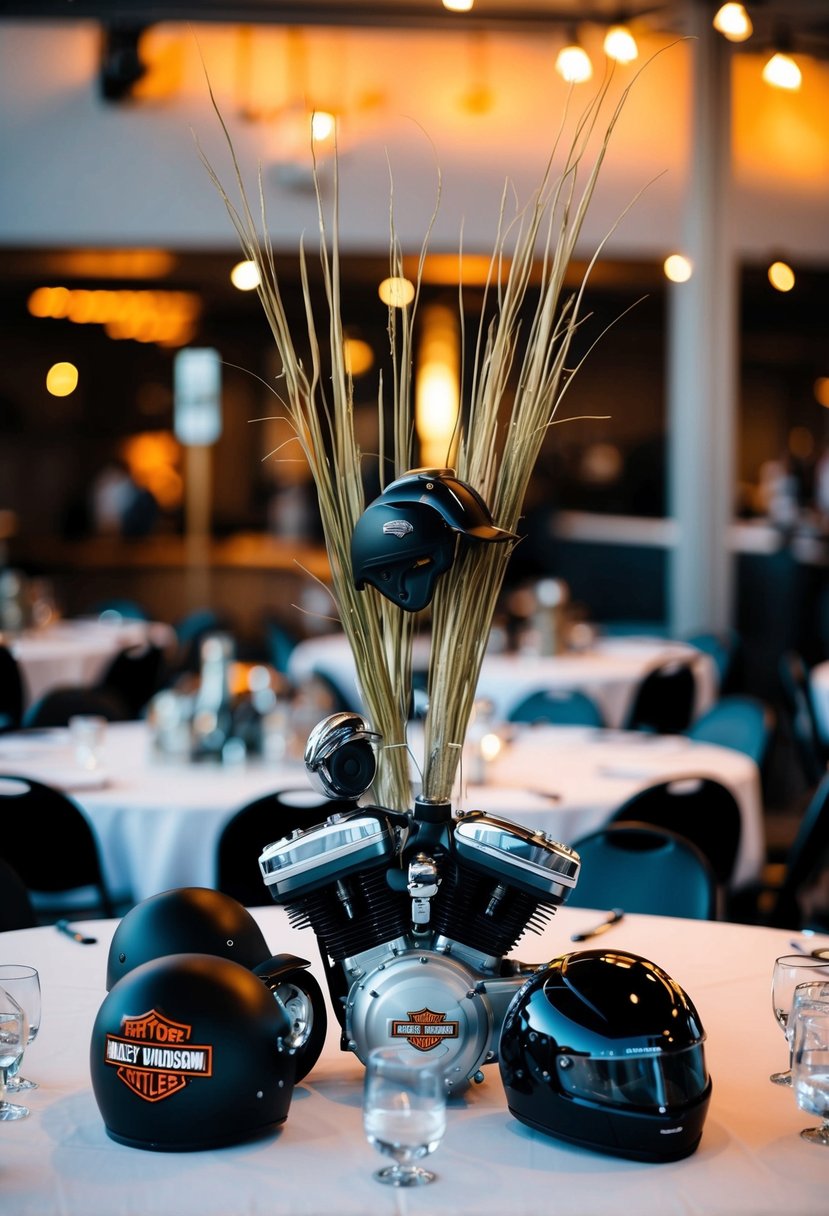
[{"x": 415, "y": 915}]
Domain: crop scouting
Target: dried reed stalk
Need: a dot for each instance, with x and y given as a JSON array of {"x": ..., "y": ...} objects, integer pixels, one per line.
[{"x": 498, "y": 441}]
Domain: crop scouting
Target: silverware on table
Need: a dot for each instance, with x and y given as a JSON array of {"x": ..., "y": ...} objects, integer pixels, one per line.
[
  {"x": 612, "y": 918},
  {"x": 63, "y": 926}
]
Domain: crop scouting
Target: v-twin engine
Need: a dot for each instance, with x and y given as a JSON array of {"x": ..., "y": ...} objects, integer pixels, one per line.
[{"x": 415, "y": 915}]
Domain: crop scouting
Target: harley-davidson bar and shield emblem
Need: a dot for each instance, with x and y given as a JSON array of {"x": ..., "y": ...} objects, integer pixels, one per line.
[
  {"x": 424, "y": 1029},
  {"x": 154, "y": 1056}
]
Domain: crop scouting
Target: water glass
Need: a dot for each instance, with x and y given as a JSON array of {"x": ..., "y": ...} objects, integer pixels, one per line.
[
  {"x": 810, "y": 1057},
  {"x": 404, "y": 1112},
  {"x": 789, "y": 971},
  {"x": 22, "y": 983},
  {"x": 14, "y": 1031},
  {"x": 87, "y": 733}
]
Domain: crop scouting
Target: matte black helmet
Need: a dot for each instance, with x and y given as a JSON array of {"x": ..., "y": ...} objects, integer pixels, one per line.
[
  {"x": 602, "y": 1048},
  {"x": 182, "y": 921},
  {"x": 457, "y": 502},
  {"x": 190, "y": 1052},
  {"x": 339, "y": 756},
  {"x": 401, "y": 549}
]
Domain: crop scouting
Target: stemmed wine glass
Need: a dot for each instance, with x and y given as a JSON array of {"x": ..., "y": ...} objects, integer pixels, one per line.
[
  {"x": 22, "y": 983},
  {"x": 404, "y": 1112},
  {"x": 14, "y": 1030},
  {"x": 810, "y": 1057},
  {"x": 789, "y": 971}
]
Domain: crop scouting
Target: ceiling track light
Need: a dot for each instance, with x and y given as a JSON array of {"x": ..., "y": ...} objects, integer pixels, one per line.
[
  {"x": 572, "y": 62},
  {"x": 781, "y": 71},
  {"x": 619, "y": 42},
  {"x": 733, "y": 22}
]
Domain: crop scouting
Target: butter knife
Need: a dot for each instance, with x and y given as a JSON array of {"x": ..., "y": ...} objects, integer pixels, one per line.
[
  {"x": 612, "y": 918},
  {"x": 63, "y": 926}
]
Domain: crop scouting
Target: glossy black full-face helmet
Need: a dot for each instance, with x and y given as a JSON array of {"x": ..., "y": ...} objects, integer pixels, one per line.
[
  {"x": 185, "y": 920},
  {"x": 190, "y": 1052},
  {"x": 459, "y": 504},
  {"x": 401, "y": 549},
  {"x": 603, "y": 1049}
]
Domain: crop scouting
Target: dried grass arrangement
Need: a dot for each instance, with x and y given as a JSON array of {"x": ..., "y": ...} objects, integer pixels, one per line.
[{"x": 498, "y": 443}]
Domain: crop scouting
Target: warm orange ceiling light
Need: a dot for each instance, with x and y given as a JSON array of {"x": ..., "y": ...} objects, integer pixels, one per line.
[{"x": 733, "y": 22}]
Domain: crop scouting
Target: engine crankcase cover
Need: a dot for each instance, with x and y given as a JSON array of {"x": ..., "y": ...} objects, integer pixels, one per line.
[{"x": 429, "y": 1001}]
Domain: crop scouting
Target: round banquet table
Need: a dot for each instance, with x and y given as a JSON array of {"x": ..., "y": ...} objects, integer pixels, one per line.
[
  {"x": 77, "y": 651},
  {"x": 158, "y": 821},
  {"x": 609, "y": 671},
  {"x": 750, "y": 1162}
]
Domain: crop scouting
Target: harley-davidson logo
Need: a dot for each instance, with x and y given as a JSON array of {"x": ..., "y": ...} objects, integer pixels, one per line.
[
  {"x": 398, "y": 528},
  {"x": 424, "y": 1029},
  {"x": 154, "y": 1056}
]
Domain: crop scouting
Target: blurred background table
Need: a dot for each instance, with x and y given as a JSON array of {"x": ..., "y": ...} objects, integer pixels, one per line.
[
  {"x": 158, "y": 820},
  {"x": 77, "y": 650},
  {"x": 750, "y": 1162},
  {"x": 609, "y": 671}
]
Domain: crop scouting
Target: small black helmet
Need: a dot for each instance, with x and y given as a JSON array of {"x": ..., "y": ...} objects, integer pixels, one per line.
[
  {"x": 189, "y": 1052},
  {"x": 457, "y": 502},
  {"x": 603, "y": 1049},
  {"x": 185, "y": 920},
  {"x": 401, "y": 549}
]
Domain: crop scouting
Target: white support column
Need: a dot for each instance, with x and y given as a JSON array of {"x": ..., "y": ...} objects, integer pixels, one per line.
[{"x": 702, "y": 357}]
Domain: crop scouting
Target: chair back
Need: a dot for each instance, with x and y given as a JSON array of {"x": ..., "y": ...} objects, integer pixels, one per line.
[
  {"x": 794, "y": 680},
  {"x": 11, "y": 691},
  {"x": 258, "y": 824},
  {"x": 664, "y": 699},
  {"x": 135, "y": 675},
  {"x": 739, "y": 722},
  {"x": 16, "y": 908},
  {"x": 57, "y": 706},
  {"x": 558, "y": 706},
  {"x": 643, "y": 868},
  {"x": 53, "y": 847},
  {"x": 802, "y": 900},
  {"x": 701, "y": 809}
]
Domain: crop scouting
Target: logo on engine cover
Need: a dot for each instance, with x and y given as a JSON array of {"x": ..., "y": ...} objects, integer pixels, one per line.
[{"x": 424, "y": 1029}]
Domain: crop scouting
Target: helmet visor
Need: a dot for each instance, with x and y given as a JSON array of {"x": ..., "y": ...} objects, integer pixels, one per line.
[{"x": 651, "y": 1080}]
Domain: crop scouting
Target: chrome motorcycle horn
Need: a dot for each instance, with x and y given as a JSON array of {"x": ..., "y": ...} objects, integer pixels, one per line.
[{"x": 339, "y": 755}]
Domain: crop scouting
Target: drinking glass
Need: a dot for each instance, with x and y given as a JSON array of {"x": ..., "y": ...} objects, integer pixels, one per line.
[
  {"x": 810, "y": 1060},
  {"x": 789, "y": 971},
  {"x": 23, "y": 984},
  {"x": 87, "y": 733},
  {"x": 404, "y": 1112},
  {"x": 14, "y": 1030}
]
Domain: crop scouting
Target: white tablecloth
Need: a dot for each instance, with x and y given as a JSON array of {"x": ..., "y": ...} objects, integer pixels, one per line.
[
  {"x": 751, "y": 1161},
  {"x": 77, "y": 651},
  {"x": 609, "y": 671},
  {"x": 158, "y": 822}
]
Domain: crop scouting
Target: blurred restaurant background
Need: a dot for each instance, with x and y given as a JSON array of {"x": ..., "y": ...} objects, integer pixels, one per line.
[{"x": 687, "y": 489}]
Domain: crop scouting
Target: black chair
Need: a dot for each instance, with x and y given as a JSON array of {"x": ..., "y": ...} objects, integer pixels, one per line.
[
  {"x": 663, "y": 702},
  {"x": 724, "y": 650},
  {"x": 799, "y": 897},
  {"x": 560, "y": 707},
  {"x": 57, "y": 706},
  {"x": 258, "y": 824},
  {"x": 16, "y": 908},
  {"x": 191, "y": 630},
  {"x": 743, "y": 723},
  {"x": 135, "y": 675},
  {"x": 643, "y": 868},
  {"x": 11, "y": 691},
  {"x": 797, "y": 698},
  {"x": 701, "y": 809},
  {"x": 54, "y": 849}
]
